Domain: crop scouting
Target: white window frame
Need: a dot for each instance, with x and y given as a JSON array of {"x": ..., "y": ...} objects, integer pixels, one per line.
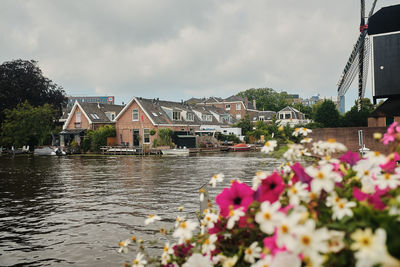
[
  {"x": 239, "y": 116},
  {"x": 137, "y": 111},
  {"x": 78, "y": 116},
  {"x": 190, "y": 116},
  {"x": 227, "y": 106},
  {"x": 144, "y": 135},
  {"x": 179, "y": 116},
  {"x": 239, "y": 106}
]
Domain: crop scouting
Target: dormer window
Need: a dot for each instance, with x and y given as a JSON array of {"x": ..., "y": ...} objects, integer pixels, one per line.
[
  {"x": 176, "y": 115},
  {"x": 110, "y": 115},
  {"x": 189, "y": 116},
  {"x": 206, "y": 117}
]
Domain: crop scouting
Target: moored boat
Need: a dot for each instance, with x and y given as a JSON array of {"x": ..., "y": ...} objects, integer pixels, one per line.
[
  {"x": 175, "y": 152},
  {"x": 48, "y": 151},
  {"x": 239, "y": 147}
]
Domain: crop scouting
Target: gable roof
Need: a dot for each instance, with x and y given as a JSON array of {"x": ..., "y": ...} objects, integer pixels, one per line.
[{"x": 388, "y": 108}]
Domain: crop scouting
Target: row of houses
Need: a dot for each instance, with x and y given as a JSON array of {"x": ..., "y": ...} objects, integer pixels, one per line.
[{"x": 137, "y": 123}]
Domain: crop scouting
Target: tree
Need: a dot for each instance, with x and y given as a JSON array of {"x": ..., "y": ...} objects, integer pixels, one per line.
[
  {"x": 99, "y": 137},
  {"x": 245, "y": 124},
  {"x": 27, "y": 125},
  {"x": 304, "y": 109},
  {"x": 22, "y": 80},
  {"x": 353, "y": 117},
  {"x": 266, "y": 98},
  {"x": 327, "y": 114}
]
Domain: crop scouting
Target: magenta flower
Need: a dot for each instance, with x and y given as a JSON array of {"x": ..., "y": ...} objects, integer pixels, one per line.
[
  {"x": 238, "y": 195},
  {"x": 270, "y": 243},
  {"x": 270, "y": 189},
  {"x": 350, "y": 158},
  {"x": 391, "y": 164},
  {"x": 300, "y": 174},
  {"x": 373, "y": 199},
  {"x": 390, "y": 135}
]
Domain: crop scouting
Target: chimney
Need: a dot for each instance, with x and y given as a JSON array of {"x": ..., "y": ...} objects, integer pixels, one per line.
[{"x": 254, "y": 104}]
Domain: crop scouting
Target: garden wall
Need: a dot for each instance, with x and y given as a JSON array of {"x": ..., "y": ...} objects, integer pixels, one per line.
[{"x": 349, "y": 137}]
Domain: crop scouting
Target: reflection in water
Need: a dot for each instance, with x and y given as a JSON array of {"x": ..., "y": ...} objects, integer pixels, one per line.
[{"x": 74, "y": 210}]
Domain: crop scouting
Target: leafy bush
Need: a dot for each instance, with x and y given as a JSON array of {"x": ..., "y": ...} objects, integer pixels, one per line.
[
  {"x": 165, "y": 135},
  {"x": 99, "y": 137}
]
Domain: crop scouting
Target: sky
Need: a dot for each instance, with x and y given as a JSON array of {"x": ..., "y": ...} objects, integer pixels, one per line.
[{"x": 178, "y": 49}]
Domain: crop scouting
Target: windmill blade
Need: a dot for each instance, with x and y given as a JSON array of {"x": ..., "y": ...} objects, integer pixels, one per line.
[
  {"x": 351, "y": 67},
  {"x": 365, "y": 65}
]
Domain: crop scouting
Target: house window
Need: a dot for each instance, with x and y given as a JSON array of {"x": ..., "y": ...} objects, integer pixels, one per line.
[
  {"x": 287, "y": 116},
  {"x": 78, "y": 117},
  {"x": 176, "y": 115},
  {"x": 228, "y": 107},
  {"x": 206, "y": 117},
  {"x": 189, "y": 116},
  {"x": 110, "y": 115},
  {"x": 238, "y": 106},
  {"x": 261, "y": 118},
  {"x": 238, "y": 116},
  {"x": 281, "y": 116},
  {"x": 209, "y": 117},
  {"x": 135, "y": 114},
  {"x": 146, "y": 136}
]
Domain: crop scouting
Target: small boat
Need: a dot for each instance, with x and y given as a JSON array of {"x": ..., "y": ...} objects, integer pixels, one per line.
[
  {"x": 175, "y": 152},
  {"x": 239, "y": 147},
  {"x": 48, "y": 151}
]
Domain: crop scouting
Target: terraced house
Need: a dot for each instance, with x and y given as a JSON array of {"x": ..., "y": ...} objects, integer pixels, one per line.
[{"x": 142, "y": 117}]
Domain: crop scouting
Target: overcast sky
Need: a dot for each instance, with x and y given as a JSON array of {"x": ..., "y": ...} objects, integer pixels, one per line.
[{"x": 177, "y": 49}]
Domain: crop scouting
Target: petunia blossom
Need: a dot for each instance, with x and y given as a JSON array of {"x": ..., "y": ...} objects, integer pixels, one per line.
[
  {"x": 390, "y": 135},
  {"x": 300, "y": 174},
  {"x": 270, "y": 189},
  {"x": 350, "y": 158},
  {"x": 238, "y": 195},
  {"x": 373, "y": 199}
]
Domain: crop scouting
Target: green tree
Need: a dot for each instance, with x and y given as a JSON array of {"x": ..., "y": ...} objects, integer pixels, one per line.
[
  {"x": 266, "y": 98},
  {"x": 327, "y": 114},
  {"x": 165, "y": 135},
  {"x": 27, "y": 125},
  {"x": 22, "y": 80},
  {"x": 304, "y": 109},
  {"x": 99, "y": 137},
  {"x": 245, "y": 124},
  {"x": 353, "y": 117}
]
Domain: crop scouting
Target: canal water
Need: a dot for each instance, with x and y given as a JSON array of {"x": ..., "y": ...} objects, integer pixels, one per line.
[{"x": 73, "y": 211}]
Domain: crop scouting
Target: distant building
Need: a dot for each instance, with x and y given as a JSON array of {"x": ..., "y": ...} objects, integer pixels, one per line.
[
  {"x": 292, "y": 116},
  {"x": 91, "y": 99},
  {"x": 309, "y": 102}
]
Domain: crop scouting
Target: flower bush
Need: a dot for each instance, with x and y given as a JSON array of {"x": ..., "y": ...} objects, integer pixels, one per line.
[{"x": 341, "y": 211}]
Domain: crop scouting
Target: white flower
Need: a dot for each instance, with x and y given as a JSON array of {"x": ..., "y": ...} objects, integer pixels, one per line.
[
  {"x": 298, "y": 192},
  {"x": 332, "y": 199},
  {"x": 301, "y": 131},
  {"x": 366, "y": 170},
  {"x": 209, "y": 219},
  {"x": 216, "y": 178},
  {"x": 208, "y": 244},
  {"x": 375, "y": 158},
  {"x": 371, "y": 248},
  {"x": 323, "y": 178},
  {"x": 184, "y": 230},
  {"x": 294, "y": 152},
  {"x": 384, "y": 180},
  {"x": 139, "y": 261},
  {"x": 343, "y": 208},
  {"x": 234, "y": 216},
  {"x": 328, "y": 160},
  {"x": 266, "y": 261},
  {"x": 306, "y": 140},
  {"x": 230, "y": 262},
  {"x": 258, "y": 178},
  {"x": 178, "y": 220},
  {"x": 328, "y": 147},
  {"x": 198, "y": 260},
  {"x": 268, "y": 216},
  {"x": 286, "y": 230},
  {"x": 269, "y": 146},
  {"x": 311, "y": 241},
  {"x": 151, "y": 218},
  {"x": 167, "y": 251},
  {"x": 123, "y": 246},
  {"x": 285, "y": 259},
  {"x": 335, "y": 241},
  {"x": 251, "y": 253},
  {"x": 202, "y": 191}
]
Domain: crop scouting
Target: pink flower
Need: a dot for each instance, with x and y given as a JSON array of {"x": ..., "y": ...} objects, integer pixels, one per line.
[
  {"x": 300, "y": 174},
  {"x": 270, "y": 189},
  {"x": 390, "y": 135},
  {"x": 238, "y": 195},
  {"x": 391, "y": 164},
  {"x": 350, "y": 157},
  {"x": 373, "y": 199},
  {"x": 270, "y": 243}
]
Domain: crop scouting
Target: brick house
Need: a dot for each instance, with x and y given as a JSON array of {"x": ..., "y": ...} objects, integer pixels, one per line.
[
  {"x": 386, "y": 113},
  {"x": 142, "y": 116},
  {"x": 86, "y": 116}
]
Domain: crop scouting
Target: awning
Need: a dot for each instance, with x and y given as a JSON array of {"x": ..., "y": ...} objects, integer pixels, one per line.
[{"x": 73, "y": 131}]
